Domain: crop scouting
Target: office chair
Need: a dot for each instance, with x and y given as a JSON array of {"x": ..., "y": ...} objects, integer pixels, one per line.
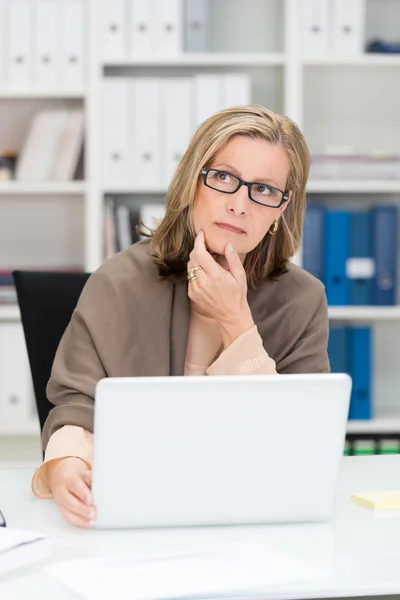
[{"x": 46, "y": 301}]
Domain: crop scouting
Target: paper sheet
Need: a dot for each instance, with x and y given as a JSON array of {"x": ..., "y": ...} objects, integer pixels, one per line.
[{"x": 231, "y": 570}]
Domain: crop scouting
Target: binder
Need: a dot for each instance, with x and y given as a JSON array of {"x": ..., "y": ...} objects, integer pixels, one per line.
[
  {"x": 168, "y": 27},
  {"x": 70, "y": 147},
  {"x": 208, "y": 96},
  {"x": 176, "y": 122},
  {"x": 313, "y": 241},
  {"x": 236, "y": 89},
  {"x": 360, "y": 344},
  {"x": 197, "y": 21},
  {"x": 337, "y": 248},
  {"x": 20, "y": 44},
  {"x": 46, "y": 56},
  {"x": 338, "y": 347},
  {"x": 348, "y": 27},
  {"x": 141, "y": 34},
  {"x": 145, "y": 131},
  {"x": 114, "y": 28},
  {"x": 361, "y": 265},
  {"x": 114, "y": 139},
  {"x": 73, "y": 36},
  {"x": 385, "y": 246},
  {"x": 3, "y": 40},
  {"x": 314, "y": 20}
]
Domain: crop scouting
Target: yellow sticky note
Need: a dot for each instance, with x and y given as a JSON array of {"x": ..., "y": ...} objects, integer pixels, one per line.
[{"x": 389, "y": 500}]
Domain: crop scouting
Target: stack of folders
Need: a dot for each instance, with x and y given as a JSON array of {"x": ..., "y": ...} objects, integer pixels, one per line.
[
  {"x": 353, "y": 253},
  {"x": 121, "y": 220},
  {"x": 42, "y": 44},
  {"x": 350, "y": 351},
  {"x": 333, "y": 27},
  {"x": 148, "y": 122},
  {"x": 132, "y": 28},
  {"x": 8, "y": 294},
  {"x": 53, "y": 146}
]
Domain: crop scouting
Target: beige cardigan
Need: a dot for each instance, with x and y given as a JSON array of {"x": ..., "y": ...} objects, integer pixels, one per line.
[{"x": 127, "y": 323}]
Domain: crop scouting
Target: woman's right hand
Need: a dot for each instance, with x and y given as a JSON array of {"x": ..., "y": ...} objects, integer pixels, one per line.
[{"x": 70, "y": 481}]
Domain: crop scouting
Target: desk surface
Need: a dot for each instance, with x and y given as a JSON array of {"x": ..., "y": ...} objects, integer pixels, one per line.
[{"x": 359, "y": 549}]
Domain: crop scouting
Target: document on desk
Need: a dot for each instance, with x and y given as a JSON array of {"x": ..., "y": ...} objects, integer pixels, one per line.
[
  {"x": 235, "y": 570},
  {"x": 19, "y": 548}
]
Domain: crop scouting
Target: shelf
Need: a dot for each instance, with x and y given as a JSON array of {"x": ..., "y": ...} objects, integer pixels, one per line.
[
  {"x": 199, "y": 59},
  {"x": 386, "y": 421},
  {"x": 129, "y": 189},
  {"x": 9, "y": 312},
  {"x": 362, "y": 186},
  {"x": 26, "y": 94},
  {"x": 364, "y": 313},
  {"x": 364, "y": 60},
  {"x": 51, "y": 188}
]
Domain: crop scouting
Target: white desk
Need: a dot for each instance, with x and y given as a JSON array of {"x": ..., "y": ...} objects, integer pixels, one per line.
[{"x": 359, "y": 549}]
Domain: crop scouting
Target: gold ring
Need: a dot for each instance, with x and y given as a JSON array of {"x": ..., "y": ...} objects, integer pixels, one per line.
[
  {"x": 191, "y": 277},
  {"x": 193, "y": 270}
]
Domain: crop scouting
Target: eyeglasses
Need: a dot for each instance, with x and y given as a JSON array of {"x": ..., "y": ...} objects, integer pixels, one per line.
[
  {"x": 2, "y": 520},
  {"x": 261, "y": 193}
]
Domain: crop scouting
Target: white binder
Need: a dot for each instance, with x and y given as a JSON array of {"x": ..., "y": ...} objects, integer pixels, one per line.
[
  {"x": 3, "y": 40},
  {"x": 237, "y": 89},
  {"x": 197, "y": 21},
  {"x": 114, "y": 139},
  {"x": 70, "y": 147},
  {"x": 314, "y": 21},
  {"x": 46, "y": 35},
  {"x": 144, "y": 131},
  {"x": 176, "y": 122},
  {"x": 142, "y": 28},
  {"x": 168, "y": 27},
  {"x": 208, "y": 96},
  {"x": 73, "y": 40},
  {"x": 16, "y": 392},
  {"x": 114, "y": 28},
  {"x": 20, "y": 47},
  {"x": 348, "y": 27}
]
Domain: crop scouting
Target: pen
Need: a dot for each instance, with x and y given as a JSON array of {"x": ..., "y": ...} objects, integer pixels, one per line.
[{"x": 2, "y": 520}]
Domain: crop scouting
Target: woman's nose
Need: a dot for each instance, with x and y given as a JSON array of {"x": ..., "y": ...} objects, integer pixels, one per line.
[{"x": 237, "y": 203}]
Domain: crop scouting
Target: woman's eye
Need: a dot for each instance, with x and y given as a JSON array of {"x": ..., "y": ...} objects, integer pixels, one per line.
[
  {"x": 223, "y": 176},
  {"x": 263, "y": 190}
]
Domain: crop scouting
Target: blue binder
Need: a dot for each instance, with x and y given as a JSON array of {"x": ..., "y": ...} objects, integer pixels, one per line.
[
  {"x": 337, "y": 250},
  {"x": 385, "y": 252},
  {"x": 360, "y": 344},
  {"x": 338, "y": 349},
  {"x": 361, "y": 247},
  {"x": 313, "y": 241}
]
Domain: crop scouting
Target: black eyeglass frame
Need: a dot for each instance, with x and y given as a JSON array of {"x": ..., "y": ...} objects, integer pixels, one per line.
[
  {"x": 248, "y": 184},
  {"x": 2, "y": 520}
]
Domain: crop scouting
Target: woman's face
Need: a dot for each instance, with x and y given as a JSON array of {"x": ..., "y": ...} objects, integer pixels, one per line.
[{"x": 234, "y": 217}]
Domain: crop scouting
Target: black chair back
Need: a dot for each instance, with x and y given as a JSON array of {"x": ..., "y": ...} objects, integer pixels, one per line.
[{"x": 46, "y": 301}]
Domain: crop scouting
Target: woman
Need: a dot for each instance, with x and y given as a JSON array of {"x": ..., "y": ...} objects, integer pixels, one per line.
[{"x": 211, "y": 292}]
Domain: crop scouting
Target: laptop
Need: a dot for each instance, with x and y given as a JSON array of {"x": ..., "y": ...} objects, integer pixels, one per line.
[{"x": 227, "y": 450}]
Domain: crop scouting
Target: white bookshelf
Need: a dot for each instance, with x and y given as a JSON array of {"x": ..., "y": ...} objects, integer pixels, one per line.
[
  {"x": 384, "y": 421},
  {"x": 324, "y": 95},
  {"x": 34, "y": 188}
]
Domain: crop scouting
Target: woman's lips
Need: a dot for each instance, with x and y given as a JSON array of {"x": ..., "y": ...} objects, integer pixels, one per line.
[{"x": 230, "y": 228}]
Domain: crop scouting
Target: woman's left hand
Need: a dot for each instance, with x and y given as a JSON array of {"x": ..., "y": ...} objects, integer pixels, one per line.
[{"x": 220, "y": 293}]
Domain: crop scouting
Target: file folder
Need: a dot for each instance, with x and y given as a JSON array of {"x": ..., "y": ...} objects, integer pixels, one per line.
[
  {"x": 361, "y": 265},
  {"x": 385, "y": 252},
  {"x": 313, "y": 241},
  {"x": 338, "y": 349},
  {"x": 337, "y": 249},
  {"x": 360, "y": 339}
]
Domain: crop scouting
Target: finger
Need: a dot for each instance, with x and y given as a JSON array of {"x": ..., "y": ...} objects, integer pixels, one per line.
[
  {"x": 234, "y": 263},
  {"x": 87, "y": 477},
  {"x": 73, "y": 504},
  {"x": 74, "y": 519},
  {"x": 80, "y": 489},
  {"x": 203, "y": 257}
]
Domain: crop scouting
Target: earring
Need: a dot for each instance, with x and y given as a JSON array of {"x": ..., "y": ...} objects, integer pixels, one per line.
[{"x": 274, "y": 228}]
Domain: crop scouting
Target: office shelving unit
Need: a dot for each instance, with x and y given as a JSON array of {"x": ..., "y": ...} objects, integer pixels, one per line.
[{"x": 334, "y": 100}]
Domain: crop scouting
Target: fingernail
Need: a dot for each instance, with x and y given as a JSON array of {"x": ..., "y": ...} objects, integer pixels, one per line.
[
  {"x": 91, "y": 515},
  {"x": 230, "y": 247},
  {"x": 200, "y": 232},
  {"x": 91, "y": 523}
]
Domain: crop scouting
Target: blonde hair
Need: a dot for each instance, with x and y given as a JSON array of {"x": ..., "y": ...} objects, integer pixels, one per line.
[{"x": 173, "y": 239}]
